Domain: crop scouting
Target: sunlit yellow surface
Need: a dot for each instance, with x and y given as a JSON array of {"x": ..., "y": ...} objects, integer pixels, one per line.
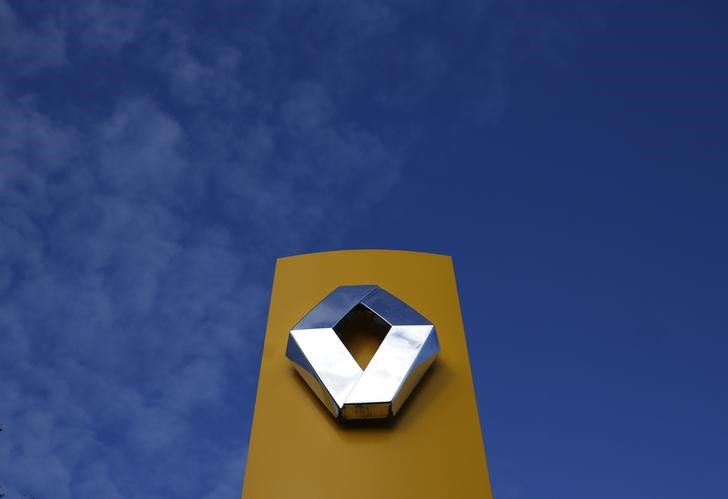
[{"x": 432, "y": 449}]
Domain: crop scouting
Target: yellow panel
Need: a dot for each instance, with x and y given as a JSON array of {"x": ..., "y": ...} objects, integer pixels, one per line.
[{"x": 433, "y": 448}]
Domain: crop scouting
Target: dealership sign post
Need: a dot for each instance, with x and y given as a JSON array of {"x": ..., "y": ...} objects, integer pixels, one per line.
[{"x": 365, "y": 388}]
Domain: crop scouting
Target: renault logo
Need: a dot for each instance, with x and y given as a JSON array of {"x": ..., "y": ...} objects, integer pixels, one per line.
[{"x": 323, "y": 361}]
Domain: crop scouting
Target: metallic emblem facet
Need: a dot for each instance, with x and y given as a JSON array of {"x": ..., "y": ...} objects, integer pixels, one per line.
[{"x": 324, "y": 362}]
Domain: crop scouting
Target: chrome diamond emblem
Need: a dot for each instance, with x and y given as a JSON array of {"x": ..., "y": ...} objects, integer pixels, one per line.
[{"x": 323, "y": 361}]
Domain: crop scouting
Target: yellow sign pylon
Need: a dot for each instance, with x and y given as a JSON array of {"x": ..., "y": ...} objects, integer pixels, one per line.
[{"x": 433, "y": 448}]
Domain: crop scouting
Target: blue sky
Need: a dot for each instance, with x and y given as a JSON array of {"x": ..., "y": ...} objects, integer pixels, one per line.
[{"x": 156, "y": 157}]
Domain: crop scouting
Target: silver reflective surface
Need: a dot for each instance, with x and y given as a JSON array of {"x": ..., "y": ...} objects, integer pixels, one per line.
[{"x": 347, "y": 390}]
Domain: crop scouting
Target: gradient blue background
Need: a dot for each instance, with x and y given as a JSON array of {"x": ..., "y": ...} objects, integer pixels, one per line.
[{"x": 156, "y": 158}]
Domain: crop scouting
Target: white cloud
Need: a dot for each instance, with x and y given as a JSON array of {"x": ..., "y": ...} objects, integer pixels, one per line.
[
  {"x": 25, "y": 49},
  {"x": 133, "y": 239},
  {"x": 108, "y": 26}
]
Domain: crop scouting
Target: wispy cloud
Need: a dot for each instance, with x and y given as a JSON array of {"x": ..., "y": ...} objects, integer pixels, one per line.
[
  {"x": 137, "y": 241},
  {"x": 27, "y": 47}
]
